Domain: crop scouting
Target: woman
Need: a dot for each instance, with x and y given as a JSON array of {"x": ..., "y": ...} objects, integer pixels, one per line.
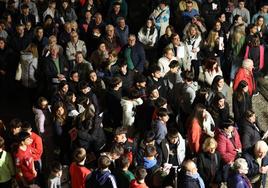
[
  {"x": 67, "y": 13},
  {"x": 209, "y": 163},
  {"x": 229, "y": 144},
  {"x": 164, "y": 40},
  {"x": 241, "y": 101},
  {"x": 219, "y": 109},
  {"x": 99, "y": 56},
  {"x": 238, "y": 178},
  {"x": 212, "y": 69},
  {"x": 211, "y": 45},
  {"x": 250, "y": 130},
  {"x": 28, "y": 65},
  {"x": 200, "y": 125},
  {"x": 193, "y": 40},
  {"x": 218, "y": 85},
  {"x": 50, "y": 26},
  {"x": 262, "y": 29},
  {"x": 51, "y": 11}
]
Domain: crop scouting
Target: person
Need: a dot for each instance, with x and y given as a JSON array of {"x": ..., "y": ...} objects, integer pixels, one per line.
[
  {"x": 110, "y": 39},
  {"x": 82, "y": 66},
  {"x": 257, "y": 160},
  {"x": 173, "y": 148},
  {"x": 122, "y": 30},
  {"x": 161, "y": 15},
  {"x": 102, "y": 176},
  {"x": 241, "y": 101},
  {"x": 246, "y": 73},
  {"x": 99, "y": 56},
  {"x": 164, "y": 61},
  {"x": 242, "y": 11},
  {"x": 148, "y": 34},
  {"x": 54, "y": 178},
  {"x": 209, "y": 11},
  {"x": 164, "y": 40},
  {"x": 78, "y": 172},
  {"x": 189, "y": 12},
  {"x": 66, "y": 12},
  {"x": 26, "y": 173},
  {"x": 139, "y": 181},
  {"x": 6, "y": 166},
  {"x": 238, "y": 178},
  {"x": 212, "y": 69},
  {"x": 122, "y": 174},
  {"x": 114, "y": 13},
  {"x": 209, "y": 163},
  {"x": 250, "y": 130},
  {"x": 133, "y": 53},
  {"x": 190, "y": 176},
  {"x": 160, "y": 125},
  {"x": 229, "y": 144},
  {"x": 174, "y": 75},
  {"x": 218, "y": 85}
]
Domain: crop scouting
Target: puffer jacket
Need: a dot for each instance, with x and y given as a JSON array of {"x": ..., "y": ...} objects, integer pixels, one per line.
[{"x": 28, "y": 66}]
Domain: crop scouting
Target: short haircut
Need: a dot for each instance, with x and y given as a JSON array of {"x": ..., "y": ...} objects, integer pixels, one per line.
[
  {"x": 173, "y": 64},
  {"x": 123, "y": 162},
  {"x": 117, "y": 149},
  {"x": 173, "y": 132},
  {"x": 79, "y": 155},
  {"x": 115, "y": 81},
  {"x": 240, "y": 163},
  {"x": 83, "y": 85},
  {"x": 149, "y": 137},
  {"x": 120, "y": 130},
  {"x": 104, "y": 162},
  {"x": 15, "y": 123},
  {"x": 155, "y": 68},
  {"x": 249, "y": 114},
  {"x": 56, "y": 167},
  {"x": 160, "y": 101},
  {"x": 261, "y": 145},
  {"x": 2, "y": 142},
  {"x": 208, "y": 143},
  {"x": 162, "y": 112},
  {"x": 22, "y": 136},
  {"x": 188, "y": 76},
  {"x": 140, "y": 173},
  {"x": 26, "y": 126},
  {"x": 150, "y": 151}
]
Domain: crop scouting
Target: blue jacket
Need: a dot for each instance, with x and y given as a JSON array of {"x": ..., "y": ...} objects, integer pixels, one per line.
[{"x": 237, "y": 181}]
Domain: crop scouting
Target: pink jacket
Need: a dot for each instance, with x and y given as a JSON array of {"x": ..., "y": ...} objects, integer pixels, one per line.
[{"x": 261, "y": 65}]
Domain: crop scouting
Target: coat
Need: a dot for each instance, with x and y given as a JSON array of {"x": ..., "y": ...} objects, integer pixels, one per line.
[
  {"x": 72, "y": 48},
  {"x": 238, "y": 181},
  {"x": 244, "y": 74},
  {"x": 195, "y": 135},
  {"x": 241, "y": 106},
  {"x": 128, "y": 112},
  {"x": 226, "y": 147}
]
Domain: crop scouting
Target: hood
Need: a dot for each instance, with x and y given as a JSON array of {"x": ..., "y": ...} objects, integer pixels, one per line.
[
  {"x": 102, "y": 176},
  {"x": 26, "y": 56},
  {"x": 149, "y": 163}
]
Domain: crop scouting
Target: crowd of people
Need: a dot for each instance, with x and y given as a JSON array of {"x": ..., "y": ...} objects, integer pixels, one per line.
[{"x": 134, "y": 93}]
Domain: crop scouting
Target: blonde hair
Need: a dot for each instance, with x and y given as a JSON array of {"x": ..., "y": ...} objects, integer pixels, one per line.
[
  {"x": 209, "y": 143},
  {"x": 211, "y": 40},
  {"x": 33, "y": 49}
]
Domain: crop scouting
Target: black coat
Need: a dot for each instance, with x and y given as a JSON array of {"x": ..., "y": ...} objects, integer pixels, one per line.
[
  {"x": 250, "y": 134},
  {"x": 188, "y": 182},
  {"x": 240, "y": 106}
]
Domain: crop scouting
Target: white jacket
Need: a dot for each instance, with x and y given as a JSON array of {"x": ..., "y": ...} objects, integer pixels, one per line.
[
  {"x": 148, "y": 38},
  {"x": 72, "y": 48},
  {"x": 129, "y": 110},
  {"x": 29, "y": 65}
]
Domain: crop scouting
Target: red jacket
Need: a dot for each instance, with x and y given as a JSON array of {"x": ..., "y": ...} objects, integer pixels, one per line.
[
  {"x": 195, "y": 134},
  {"x": 37, "y": 146},
  {"x": 78, "y": 175},
  {"x": 135, "y": 184},
  {"x": 244, "y": 74},
  {"x": 226, "y": 147}
]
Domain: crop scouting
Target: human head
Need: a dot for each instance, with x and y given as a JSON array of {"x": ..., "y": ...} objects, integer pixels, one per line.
[
  {"x": 140, "y": 173},
  {"x": 217, "y": 26},
  {"x": 123, "y": 162},
  {"x": 218, "y": 82},
  {"x": 227, "y": 126},
  {"x": 241, "y": 166},
  {"x": 162, "y": 114},
  {"x": 79, "y": 58},
  {"x": 188, "y": 76},
  {"x": 169, "y": 30},
  {"x": 27, "y": 127},
  {"x": 42, "y": 103},
  {"x": 174, "y": 66},
  {"x": 93, "y": 76},
  {"x": 150, "y": 151},
  {"x": 173, "y": 135},
  {"x": 2, "y": 43},
  {"x": 241, "y": 4},
  {"x": 25, "y": 9},
  {"x": 189, "y": 5},
  {"x": 20, "y": 29},
  {"x": 74, "y": 76},
  {"x": 153, "y": 92},
  {"x": 131, "y": 40},
  {"x": 15, "y": 126},
  {"x": 168, "y": 53},
  {"x": 250, "y": 116},
  {"x": 150, "y": 23},
  {"x": 63, "y": 87},
  {"x": 175, "y": 39},
  {"x": 211, "y": 64},
  {"x": 155, "y": 71},
  {"x": 24, "y": 138},
  {"x": 54, "y": 51},
  {"x": 2, "y": 143},
  {"x": 210, "y": 145},
  {"x": 83, "y": 87},
  {"x": 56, "y": 169},
  {"x": 219, "y": 100},
  {"x": 98, "y": 18},
  {"x": 116, "y": 151},
  {"x": 149, "y": 138},
  {"x": 74, "y": 37},
  {"x": 109, "y": 30},
  {"x": 161, "y": 102},
  {"x": 260, "y": 21},
  {"x": 121, "y": 22},
  {"x": 116, "y": 82},
  {"x": 104, "y": 162},
  {"x": 116, "y": 7},
  {"x": 190, "y": 167},
  {"x": 120, "y": 135},
  {"x": 260, "y": 149},
  {"x": 140, "y": 81},
  {"x": 242, "y": 86},
  {"x": 39, "y": 32},
  {"x": 80, "y": 155},
  {"x": 248, "y": 64}
]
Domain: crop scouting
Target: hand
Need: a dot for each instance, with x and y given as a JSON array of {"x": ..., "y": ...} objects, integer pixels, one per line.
[{"x": 35, "y": 173}]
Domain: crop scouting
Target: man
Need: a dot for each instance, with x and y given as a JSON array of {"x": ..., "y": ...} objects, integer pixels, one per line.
[
  {"x": 191, "y": 178},
  {"x": 242, "y": 11},
  {"x": 39, "y": 39},
  {"x": 26, "y": 15},
  {"x": 189, "y": 12},
  {"x": 114, "y": 13},
  {"x": 122, "y": 31},
  {"x": 75, "y": 45},
  {"x": 180, "y": 51},
  {"x": 111, "y": 41},
  {"x": 210, "y": 11},
  {"x": 134, "y": 54},
  {"x": 262, "y": 12}
]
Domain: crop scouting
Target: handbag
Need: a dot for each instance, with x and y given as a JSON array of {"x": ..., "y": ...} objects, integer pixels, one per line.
[{"x": 18, "y": 73}]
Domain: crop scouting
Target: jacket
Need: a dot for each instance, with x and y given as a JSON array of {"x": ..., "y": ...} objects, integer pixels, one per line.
[
  {"x": 238, "y": 181},
  {"x": 181, "y": 149},
  {"x": 189, "y": 182},
  {"x": 72, "y": 48},
  {"x": 161, "y": 18},
  {"x": 29, "y": 65},
  {"x": 101, "y": 179},
  {"x": 78, "y": 175},
  {"x": 226, "y": 147},
  {"x": 148, "y": 36},
  {"x": 160, "y": 130},
  {"x": 241, "y": 106},
  {"x": 250, "y": 134},
  {"x": 6, "y": 167},
  {"x": 195, "y": 136},
  {"x": 134, "y": 184},
  {"x": 244, "y": 74},
  {"x": 128, "y": 107}
]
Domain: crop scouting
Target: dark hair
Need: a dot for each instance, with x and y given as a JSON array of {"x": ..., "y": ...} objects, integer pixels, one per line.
[
  {"x": 123, "y": 161},
  {"x": 120, "y": 130},
  {"x": 117, "y": 149},
  {"x": 227, "y": 123},
  {"x": 104, "y": 162},
  {"x": 160, "y": 101},
  {"x": 172, "y": 132},
  {"x": 83, "y": 85},
  {"x": 22, "y": 136},
  {"x": 210, "y": 62},
  {"x": 140, "y": 78},
  {"x": 249, "y": 114},
  {"x": 79, "y": 155},
  {"x": 162, "y": 112},
  {"x": 215, "y": 81},
  {"x": 133, "y": 93},
  {"x": 2, "y": 142},
  {"x": 149, "y": 137},
  {"x": 188, "y": 76},
  {"x": 150, "y": 151},
  {"x": 155, "y": 68},
  {"x": 140, "y": 173},
  {"x": 56, "y": 167},
  {"x": 62, "y": 84},
  {"x": 173, "y": 64},
  {"x": 15, "y": 123},
  {"x": 26, "y": 126},
  {"x": 115, "y": 81}
]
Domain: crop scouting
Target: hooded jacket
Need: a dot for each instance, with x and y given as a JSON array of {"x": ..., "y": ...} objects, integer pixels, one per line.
[{"x": 101, "y": 179}]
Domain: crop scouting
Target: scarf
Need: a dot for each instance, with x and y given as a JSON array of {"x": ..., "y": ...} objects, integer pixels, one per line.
[{"x": 200, "y": 180}]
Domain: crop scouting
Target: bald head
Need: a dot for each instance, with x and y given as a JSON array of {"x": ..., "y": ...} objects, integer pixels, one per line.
[{"x": 190, "y": 167}]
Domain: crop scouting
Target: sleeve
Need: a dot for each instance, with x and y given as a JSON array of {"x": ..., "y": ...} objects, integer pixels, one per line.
[
  {"x": 141, "y": 37},
  {"x": 222, "y": 149},
  {"x": 194, "y": 138},
  {"x": 69, "y": 52},
  {"x": 84, "y": 49},
  {"x": 37, "y": 149},
  {"x": 10, "y": 164}
]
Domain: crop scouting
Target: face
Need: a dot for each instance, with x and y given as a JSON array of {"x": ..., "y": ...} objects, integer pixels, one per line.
[
  {"x": 60, "y": 111},
  {"x": 189, "y": 6},
  {"x": 245, "y": 89},
  {"x": 110, "y": 31},
  {"x": 121, "y": 138},
  {"x": 102, "y": 47},
  {"x": 28, "y": 141},
  {"x": 260, "y": 21},
  {"x": 43, "y": 104},
  {"x": 193, "y": 31},
  {"x": 173, "y": 140},
  {"x": 54, "y": 52},
  {"x": 111, "y": 58},
  {"x": 64, "y": 5},
  {"x": 73, "y": 98},
  {"x": 25, "y": 11},
  {"x": 20, "y": 30},
  {"x": 222, "y": 18},
  {"x": 169, "y": 54},
  {"x": 165, "y": 118},
  {"x": 254, "y": 29},
  {"x": 241, "y": 4},
  {"x": 221, "y": 83},
  {"x": 239, "y": 20},
  {"x": 15, "y": 131},
  {"x": 221, "y": 104},
  {"x": 168, "y": 31},
  {"x": 122, "y": 23},
  {"x": 98, "y": 19},
  {"x": 142, "y": 84},
  {"x": 229, "y": 129},
  {"x": 58, "y": 174},
  {"x": 28, "y": 25},
  {"x": 155, "y": 93},
  {"x": 218, "y": 26},
  {"x": 86, "y": 90},
  {"x": 65, "y": 88},
  {"x": 74, "y": 37},
  {"x": 157, "y": 74},
  {"x": 123, "y": 69},
  {"x": 261, "y": 153},
  {"x": 149, "y": 23},
  {"x": 79, "y": 58},
  {"x": 176, "y": 40},
  {"x": 52, "y": 5},
  {"x": 93, "y": 77},
  {"x": 40, "y": 33},
  {"x": 211, "y": 149},
  {"x": 252, "y": 119},
  {"x": 116, "y": 8},
  {"x": 2, "y": 44},
  {"x": 131, "y": 41},
  {"x": 75, "y": 77}
]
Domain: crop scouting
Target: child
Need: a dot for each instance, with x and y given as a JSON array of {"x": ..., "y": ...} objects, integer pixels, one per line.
[
  {"x": 173, "y": 76},
  {"x": 54, "y": 179},
  {"x": 78, "y": 172},
  {"x": 139, "y": 182}
]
